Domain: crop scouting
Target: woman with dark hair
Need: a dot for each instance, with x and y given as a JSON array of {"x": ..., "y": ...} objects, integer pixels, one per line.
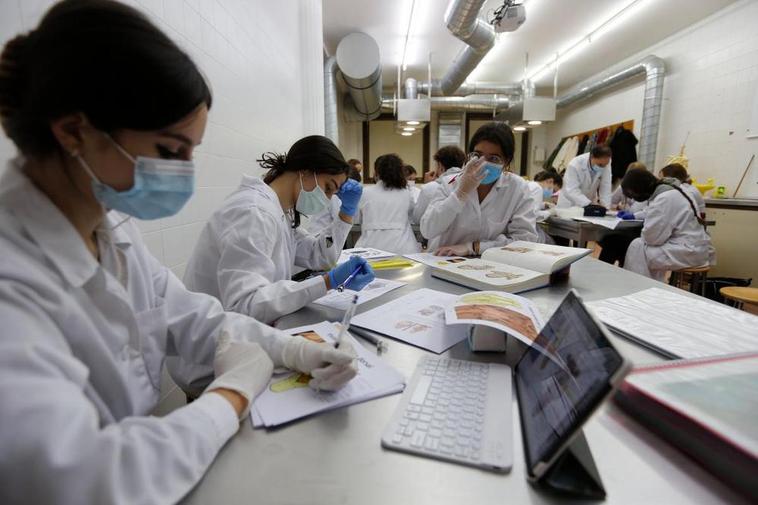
[
  {"x": 105, "y": 112},
  {"x": 677, "y": 171},
  {"x": 483, "y": 206},
  {"x": 673, "y": 236},
  {"x": 386, "y": 209},
  {"x": 324, "y": 221},
  {"x": 246, "y": 254}
]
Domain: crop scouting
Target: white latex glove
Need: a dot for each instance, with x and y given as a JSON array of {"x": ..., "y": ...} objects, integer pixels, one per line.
[
  {"x": 470, "y": 177},
  {"x": 466, "y": 249},
  {"x": 323, "y": 362},
  {"x": 243, "y": 367},
  {"x": 333, "y": 377}
]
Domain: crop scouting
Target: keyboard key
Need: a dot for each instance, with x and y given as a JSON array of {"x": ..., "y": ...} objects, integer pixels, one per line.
[{"x": 418, "y": 439}]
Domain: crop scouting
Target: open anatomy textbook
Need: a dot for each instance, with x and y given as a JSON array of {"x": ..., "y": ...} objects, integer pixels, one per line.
[{"x": 518, "y": 266}]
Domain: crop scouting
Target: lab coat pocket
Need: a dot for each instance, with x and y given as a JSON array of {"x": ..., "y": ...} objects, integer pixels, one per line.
[{"x": 153, "y": 330}]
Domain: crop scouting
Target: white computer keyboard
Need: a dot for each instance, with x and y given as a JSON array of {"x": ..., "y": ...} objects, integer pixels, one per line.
[{"x": 458, "y": 411}]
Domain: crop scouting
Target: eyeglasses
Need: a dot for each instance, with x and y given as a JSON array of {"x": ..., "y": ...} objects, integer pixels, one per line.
[{"x": 492, "y": 158}]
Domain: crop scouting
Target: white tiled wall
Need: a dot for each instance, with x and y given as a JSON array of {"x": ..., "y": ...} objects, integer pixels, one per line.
[
  {"x": 263, "y": 59},
  {"x": 711, "y": 82}
]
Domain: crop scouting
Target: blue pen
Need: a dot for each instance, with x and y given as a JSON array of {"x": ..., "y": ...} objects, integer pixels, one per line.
[{"x": 350, "y": 277}]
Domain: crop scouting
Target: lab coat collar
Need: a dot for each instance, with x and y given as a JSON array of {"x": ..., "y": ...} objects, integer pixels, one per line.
[
  {"x": 47, "y": 226},
  {"x": 257, "y": 184}
]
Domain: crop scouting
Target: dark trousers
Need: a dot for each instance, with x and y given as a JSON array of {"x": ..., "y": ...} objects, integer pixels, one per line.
[{"x": 614, "y": 247}]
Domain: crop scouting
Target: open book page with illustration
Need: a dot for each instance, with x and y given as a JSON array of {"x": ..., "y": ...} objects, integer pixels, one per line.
[
  {"x": 374, "y": 289},
  {"x": 543, "y": 258},
  {"x": 367, "y": 253},
  {"x": 288, "y": 396},
  {"x": 417, "y": 318}
]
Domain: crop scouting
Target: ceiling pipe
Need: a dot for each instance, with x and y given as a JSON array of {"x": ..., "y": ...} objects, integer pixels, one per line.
[
  {"x": 331, "y": 122},
  {"x": 359, "y": 62},
  {"x": 473, "y": 103},
  {"x": 462, "y": 20},
  {"x": 474, "y": 88},
  {"x": 654, "y": 69}
]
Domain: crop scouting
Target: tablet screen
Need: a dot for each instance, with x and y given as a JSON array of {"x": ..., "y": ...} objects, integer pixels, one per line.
[{"x": 557, "y": 389}]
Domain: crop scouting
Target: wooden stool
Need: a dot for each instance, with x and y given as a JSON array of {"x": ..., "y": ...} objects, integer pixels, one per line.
[
  {"x": 695, "y": 276},
  {"x": 737, "y": 296}
]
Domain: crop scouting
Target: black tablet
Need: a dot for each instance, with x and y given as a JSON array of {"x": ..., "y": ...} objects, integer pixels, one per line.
[{"x": 562, "y": 384}]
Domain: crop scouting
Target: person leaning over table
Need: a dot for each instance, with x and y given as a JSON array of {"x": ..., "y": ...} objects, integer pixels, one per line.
[
  {"x": 588, "y": 180},
  {"x": 484, "y": 205},
  {"x": 88, "y": 314}
]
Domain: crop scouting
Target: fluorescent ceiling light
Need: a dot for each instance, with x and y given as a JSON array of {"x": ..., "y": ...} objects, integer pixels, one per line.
[
  {"x": 409, "y": 129},
  {"x": 519, "y": 128},
  {"x": 403, "y": 61},
  {"x": 605, "y": 26},
  {"x": 534, "y": 123},
  {"x": 406, "y": 134},
  {"x": 412, "y": 122}
]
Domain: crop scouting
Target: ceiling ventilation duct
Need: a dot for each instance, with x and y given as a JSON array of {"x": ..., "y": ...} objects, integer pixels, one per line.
[
  {"x": 358, "y": 60},
  {"x": 473, "y": 103}
]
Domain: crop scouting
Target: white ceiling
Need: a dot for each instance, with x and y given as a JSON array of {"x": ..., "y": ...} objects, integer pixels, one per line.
[{"x": 551, "y": 26}]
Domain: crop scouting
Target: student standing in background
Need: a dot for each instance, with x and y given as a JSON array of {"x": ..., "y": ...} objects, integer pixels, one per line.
[
  {"x": 448, "y": 161},
  {"x": 483, "y": 206},
  {"x": 588, "y": 180},
  {"x": 89, "y": 315},
  {"x": 410, "y": 176},
  {"x": 386, "y": 208},
  {"x": 246, "y": 254}
]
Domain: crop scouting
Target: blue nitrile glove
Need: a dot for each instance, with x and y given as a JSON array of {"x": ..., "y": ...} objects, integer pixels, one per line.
[
  {"x": 625, "y": 215},
  {"x": 341, "y": 272},
  {"x": 350, "y": 194}
]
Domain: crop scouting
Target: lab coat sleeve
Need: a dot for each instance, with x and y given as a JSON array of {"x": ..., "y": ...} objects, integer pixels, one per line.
[
  {"x": 320, "y": 251},
  {"x": 55, "y": 447},
  {"x": 572, "y": 188},
  {"x": 444, "y": 207},
  {"x": 658, "y": 223},
  {"x": 246, "y": 270},
  {"x": 423, "y": 202},
  {"x": 605, "y": 187},
  {"x": 522, "y": 226}
]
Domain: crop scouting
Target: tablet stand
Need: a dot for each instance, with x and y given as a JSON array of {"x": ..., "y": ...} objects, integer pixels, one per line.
[{"x": 574, "y": 472}]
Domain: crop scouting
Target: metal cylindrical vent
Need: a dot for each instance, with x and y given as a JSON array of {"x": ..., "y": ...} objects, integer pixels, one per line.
[{"x": 359, "y": 61}]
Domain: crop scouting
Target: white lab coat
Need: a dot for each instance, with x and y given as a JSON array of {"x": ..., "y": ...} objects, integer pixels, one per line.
[
  {"x": 247, "y": 251},
  {"x": 581, "y": 187},
  {"x": 426, "y": 192},
  {"x": 80, "y": 362},
  {"x": 415, "y": 191},
  {"x": 385, "y": 217},
  {"x": 696, "y": 196},
  {"x": 506, "y": 214},
  {"x": 671, "y": 238},
  {"x": 535, "y": 190}
]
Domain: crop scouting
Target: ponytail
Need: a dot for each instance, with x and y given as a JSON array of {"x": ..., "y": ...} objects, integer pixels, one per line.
[
  {"x": 274, "y": 164},
  {"x": 13, "y": 84}
]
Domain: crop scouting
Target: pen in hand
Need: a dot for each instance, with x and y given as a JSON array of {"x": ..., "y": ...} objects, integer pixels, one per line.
[{"x": 350, "y": 277}]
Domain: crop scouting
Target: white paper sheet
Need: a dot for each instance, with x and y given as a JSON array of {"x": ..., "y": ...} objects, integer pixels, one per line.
[
  {"x": 288, "y": 397},
  {"x": 429, "y": 258},
  {"x": 417, "y": 318},
  {"x": 374, "y": 289},
  {"x": 507, "y": 312},
  {"x": 368, "y": 253},
  {"x": 681, "y": 326},
  {"x": 610, "y": 222}
]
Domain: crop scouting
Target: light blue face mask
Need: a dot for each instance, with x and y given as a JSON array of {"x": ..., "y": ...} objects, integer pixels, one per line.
[
  {"x": 596, "y": 169},
  {"x": 493, "y": 172},
  {"x": 547, "y": 193},
  {"x": 161, "y": 187},
  {"x": 311, "y": 202}
]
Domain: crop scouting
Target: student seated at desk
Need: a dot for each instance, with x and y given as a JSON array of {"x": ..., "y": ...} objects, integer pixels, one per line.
[
  {"x": 678, "y": 172},
  {"x": 673, "y": 236},
  {"x": 484, "y": 205},
  {"x": 325, "y": 220},
  {"x": 614, "y": 244},
  {"x": 448, "y": 160},
  {"x": 89, "y": 316},
  {"x": 385, "y": 209},
  {"x": 246, "y": 254}
]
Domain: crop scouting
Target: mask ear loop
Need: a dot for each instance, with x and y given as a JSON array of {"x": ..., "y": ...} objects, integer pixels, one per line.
[{"x": 83, "y": 163}]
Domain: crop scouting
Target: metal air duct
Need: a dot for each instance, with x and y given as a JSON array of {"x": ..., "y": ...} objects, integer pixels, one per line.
[
  {"x": 358, "y": 60},
  {"x": 474, "y": 88},
  {"x": 473, "y": 103},
  {"x": 331, "y": 121},
  {"x": 462, "y": 20},
  {"x": 654, "y": 69}
]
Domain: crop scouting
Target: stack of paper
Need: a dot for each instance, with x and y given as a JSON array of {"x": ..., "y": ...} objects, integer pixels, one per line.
[
  {"x": 679, "y": 326},
  {"x": 417, "y": 318},
  {"x": 429, "y": 259},
  {"x": 367, "y": 253},
  {"x": 288, "y": 397},
  {"x": 374, "y": 289}
]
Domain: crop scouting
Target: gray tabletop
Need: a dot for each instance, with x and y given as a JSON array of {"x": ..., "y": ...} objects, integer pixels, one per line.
[{"x": 336, "y": 457}]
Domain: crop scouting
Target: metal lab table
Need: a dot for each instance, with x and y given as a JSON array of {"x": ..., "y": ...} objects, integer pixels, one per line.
[
  {"x": 581, "y": 232},
  {"x": 336, "y": 457}
]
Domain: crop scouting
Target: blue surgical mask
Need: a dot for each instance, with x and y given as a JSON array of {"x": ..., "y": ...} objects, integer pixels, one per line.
[
  {"x": 161, "y": 187},
  {"x": 547, "y": 193},
  {"x": 311, "y": 202},
  {"x": 596, "y": 168},
  {"x": 493, "y": 172}
]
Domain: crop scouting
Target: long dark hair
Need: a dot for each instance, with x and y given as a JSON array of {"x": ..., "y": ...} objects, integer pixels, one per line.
[
  {"x": 390, "y": 169},
  {"x": 314, "y": 153},
  {"x": 101, "y": 58},
  {"x": 498, "y": 133}
]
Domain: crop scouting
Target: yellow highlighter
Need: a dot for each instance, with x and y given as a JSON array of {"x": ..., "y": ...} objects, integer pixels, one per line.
[{"x": 390, "y": 263}]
